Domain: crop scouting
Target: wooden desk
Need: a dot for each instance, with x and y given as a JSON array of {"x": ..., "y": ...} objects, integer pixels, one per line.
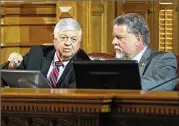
[{"x": 77, "y": 107}]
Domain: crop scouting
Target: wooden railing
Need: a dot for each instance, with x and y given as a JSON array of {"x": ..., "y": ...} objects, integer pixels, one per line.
[{"x": 77, "y": 107}]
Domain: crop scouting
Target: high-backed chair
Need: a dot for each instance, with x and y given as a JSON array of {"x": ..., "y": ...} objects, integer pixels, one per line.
[{"x": 100, "y": 56}]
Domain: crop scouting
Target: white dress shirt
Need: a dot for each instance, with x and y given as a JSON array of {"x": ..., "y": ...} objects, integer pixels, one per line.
[
  {"x": 61, "y": 68},
  {"x": 139, "y": 56}
]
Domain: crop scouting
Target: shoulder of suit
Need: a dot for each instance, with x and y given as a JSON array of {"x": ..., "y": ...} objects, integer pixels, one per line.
[
  {"x": 81, "y": 55},
  {"x": 43, "y": 48},
  {"x": 162, "y": 53}
]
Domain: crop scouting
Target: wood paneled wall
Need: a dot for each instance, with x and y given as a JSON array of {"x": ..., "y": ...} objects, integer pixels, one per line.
[
  {"x": 163, "y": 37},
  {"x": 25, "y": 24}
]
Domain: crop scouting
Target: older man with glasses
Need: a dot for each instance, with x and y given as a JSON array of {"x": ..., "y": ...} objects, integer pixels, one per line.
[{"x": 55, "y": 61}]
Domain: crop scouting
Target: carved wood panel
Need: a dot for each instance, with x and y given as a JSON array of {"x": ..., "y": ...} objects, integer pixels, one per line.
[{"x": 51, "y": 119}]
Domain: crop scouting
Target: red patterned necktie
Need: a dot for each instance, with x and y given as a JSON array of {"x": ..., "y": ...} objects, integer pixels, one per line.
[{"x": 55, "y": 73}]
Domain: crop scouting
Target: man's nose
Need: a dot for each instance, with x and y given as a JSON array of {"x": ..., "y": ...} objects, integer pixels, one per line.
[
  {"x": 68, "y": 42},
  {"x": 114, "y": 42}
]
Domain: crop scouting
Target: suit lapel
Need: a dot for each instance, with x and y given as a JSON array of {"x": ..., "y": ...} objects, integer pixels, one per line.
[
  {"x": 64, "y": 74},
  {"x": 46, "y": 62},
  {"x": 80, "y": 55},
  {"x": 144, "y": 61}
]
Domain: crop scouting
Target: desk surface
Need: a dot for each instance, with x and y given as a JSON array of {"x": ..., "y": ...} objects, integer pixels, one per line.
[{"x": 88, "y": 93}]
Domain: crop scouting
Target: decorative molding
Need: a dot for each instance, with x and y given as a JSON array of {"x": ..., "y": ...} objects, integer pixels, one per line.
[
  {"x": 154, "y": 110},
  {"x": 97, "y": 9},
  {"x": 21, "y": 121},
  {"x": 66, "y": 10},
  {"x": 69, "y": 119},
  {"x": 147, "y": 107},
  {"x": 75, "y": 107},
  {"x": 24, "y": 44},
  {"x": 47, "y": 108}
]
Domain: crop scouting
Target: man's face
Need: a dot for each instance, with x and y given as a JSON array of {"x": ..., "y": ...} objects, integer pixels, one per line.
[
  {"x": 67, "y": 44},
  {"x": 123, "y": 42}
]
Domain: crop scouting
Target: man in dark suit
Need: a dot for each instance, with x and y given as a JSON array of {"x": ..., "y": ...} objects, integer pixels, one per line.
[
  {"x": 131, "y": 41},
  {"x": 55, "y": 61}
]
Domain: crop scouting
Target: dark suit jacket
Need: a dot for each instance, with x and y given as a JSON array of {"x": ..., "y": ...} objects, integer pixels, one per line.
[
  {"x": 40, "y": 58},
  {"x": 157, "y": 67}
]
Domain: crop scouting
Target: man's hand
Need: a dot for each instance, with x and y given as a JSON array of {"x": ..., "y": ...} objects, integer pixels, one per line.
[{"x": 15, "y": 60}]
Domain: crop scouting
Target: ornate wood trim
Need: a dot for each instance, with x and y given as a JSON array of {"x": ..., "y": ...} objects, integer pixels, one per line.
[
  {"x": 25, "y": 44},
  {"x": 77, "y": 107},
  {"x": 148, "y": 109},
  {"x": 53, "y": 107}
]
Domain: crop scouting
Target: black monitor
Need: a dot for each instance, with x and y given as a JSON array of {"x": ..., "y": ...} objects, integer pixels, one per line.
[
  {"x": 24, "y": 79},
  {"x": 107, "y": 74}
]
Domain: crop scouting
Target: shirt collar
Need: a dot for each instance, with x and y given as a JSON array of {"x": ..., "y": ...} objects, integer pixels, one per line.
[
  {"x": 55, "y": 59},
  {"x": 138, "y": 56}
]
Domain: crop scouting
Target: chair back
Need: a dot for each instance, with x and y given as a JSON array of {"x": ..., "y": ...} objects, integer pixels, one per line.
[{"x": 100, "y": 56}]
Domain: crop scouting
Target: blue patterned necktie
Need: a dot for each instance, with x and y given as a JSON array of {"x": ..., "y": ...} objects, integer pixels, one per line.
[{"x": 55, "y": 73}]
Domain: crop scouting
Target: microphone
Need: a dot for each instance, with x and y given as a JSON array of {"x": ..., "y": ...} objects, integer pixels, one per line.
[
  {"x": 163, "y": 83},
  {"x": 23, "y": 82}
]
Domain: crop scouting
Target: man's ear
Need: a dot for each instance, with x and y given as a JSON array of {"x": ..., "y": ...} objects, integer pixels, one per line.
[
  {"x": 139, "y": 40},
  {"x": 53, "y": 36},
  {"x": 79, "y": 41}
]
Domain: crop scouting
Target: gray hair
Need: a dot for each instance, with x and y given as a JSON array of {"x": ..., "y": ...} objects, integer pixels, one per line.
[
  {"x": 135, "y": 24},
  {"x": 67, "y": 24}
]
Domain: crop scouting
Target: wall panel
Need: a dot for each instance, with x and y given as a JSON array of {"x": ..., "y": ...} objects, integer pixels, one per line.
[{"x": 25, "y": 24}]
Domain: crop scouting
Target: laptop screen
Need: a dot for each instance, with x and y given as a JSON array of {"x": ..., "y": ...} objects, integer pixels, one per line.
[{"x": 24, "y": 79}]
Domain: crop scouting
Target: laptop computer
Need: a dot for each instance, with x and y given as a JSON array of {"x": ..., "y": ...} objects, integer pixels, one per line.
[
  {"x": 24, "y": 79},
  {"x": 107, "y": 74}
]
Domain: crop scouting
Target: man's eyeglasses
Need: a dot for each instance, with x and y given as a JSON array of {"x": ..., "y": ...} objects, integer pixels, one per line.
[{"x": 64, "y": 38}]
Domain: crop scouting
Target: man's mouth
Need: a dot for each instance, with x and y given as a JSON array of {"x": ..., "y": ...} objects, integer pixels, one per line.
[
  {"x": 66, "y": 50},
  {"x": 117, "y": 50}
]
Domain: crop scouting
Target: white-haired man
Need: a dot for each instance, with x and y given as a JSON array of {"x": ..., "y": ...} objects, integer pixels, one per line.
[{"x": 55, "y": 61}]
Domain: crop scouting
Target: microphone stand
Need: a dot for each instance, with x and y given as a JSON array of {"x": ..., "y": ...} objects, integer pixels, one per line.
[{"x": 163, "y": 83}]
